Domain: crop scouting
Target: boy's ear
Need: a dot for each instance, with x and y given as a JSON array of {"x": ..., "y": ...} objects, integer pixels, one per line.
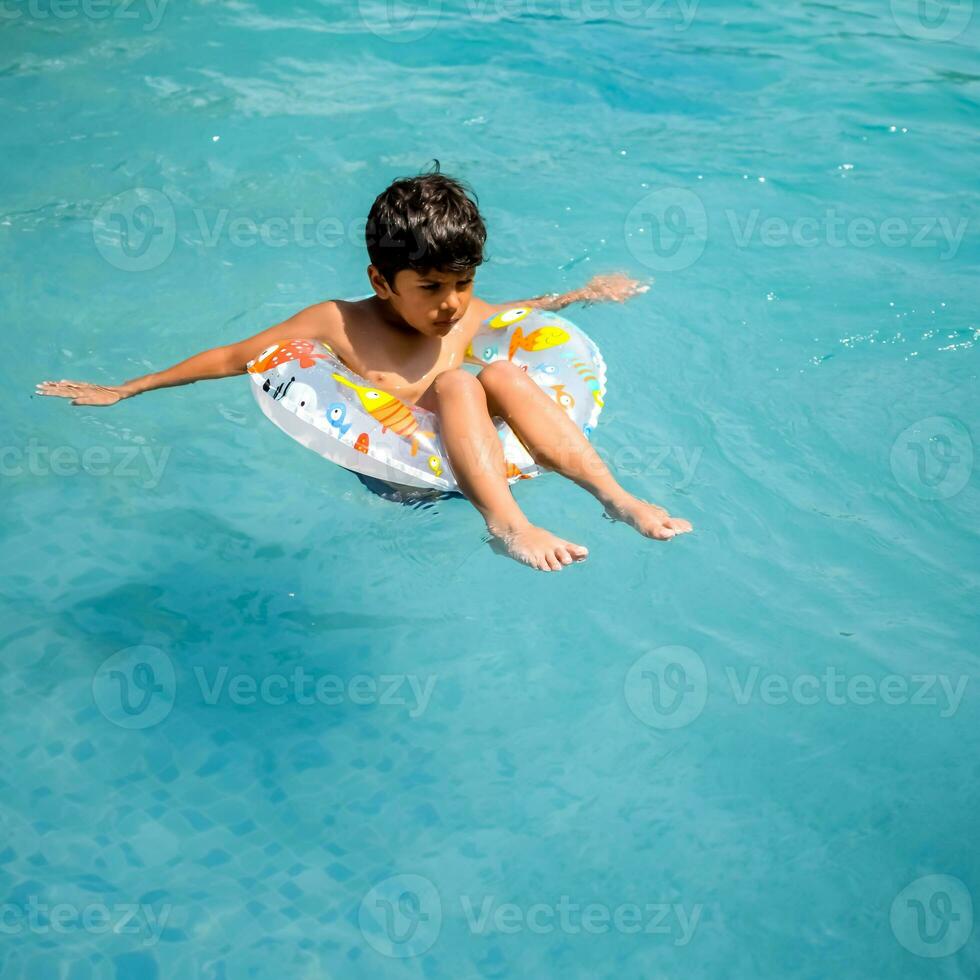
[{"x": 381, "y": 288}]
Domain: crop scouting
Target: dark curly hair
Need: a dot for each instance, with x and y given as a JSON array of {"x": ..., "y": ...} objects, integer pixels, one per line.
[{"x": 428, "y": 222}]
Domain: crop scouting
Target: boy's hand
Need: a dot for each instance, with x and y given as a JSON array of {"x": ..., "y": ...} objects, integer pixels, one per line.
[
  {"x": 616, "y": 287},
  {"x": 83, "y": 393}
]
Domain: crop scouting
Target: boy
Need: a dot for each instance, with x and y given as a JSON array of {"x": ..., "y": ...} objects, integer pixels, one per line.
[{"x": 425, "y": 238}]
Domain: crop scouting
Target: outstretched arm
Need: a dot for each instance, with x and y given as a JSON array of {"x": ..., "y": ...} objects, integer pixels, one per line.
[
  {"x": 615, "y": 287},
  {"x": 314, "y": 323}
]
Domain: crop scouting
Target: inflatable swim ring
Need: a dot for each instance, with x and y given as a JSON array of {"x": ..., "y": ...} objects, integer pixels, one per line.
[{"x": 313, "y": 397}]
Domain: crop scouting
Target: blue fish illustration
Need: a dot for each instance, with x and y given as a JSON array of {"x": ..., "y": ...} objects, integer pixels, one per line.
[{"x": 337, "y": 417}]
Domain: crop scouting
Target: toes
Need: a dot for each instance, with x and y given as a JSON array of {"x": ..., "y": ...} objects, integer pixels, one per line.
[
  {"x": 563, "y": 556},
  {"x": 578, "y": 551},
  {"x": 553, "y": 562}
]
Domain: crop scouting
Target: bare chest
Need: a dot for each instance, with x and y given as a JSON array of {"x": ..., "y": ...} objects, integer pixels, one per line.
[{"x": 407, "y": 378}]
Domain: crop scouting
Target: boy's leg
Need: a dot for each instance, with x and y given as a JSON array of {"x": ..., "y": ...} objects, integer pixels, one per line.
[
  {"x": 477, "y": 459},
  {"x": 555, "y": 441}
]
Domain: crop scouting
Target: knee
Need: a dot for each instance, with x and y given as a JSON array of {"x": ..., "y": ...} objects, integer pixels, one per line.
[
  {"x": 455, "y": 382},
  {"x": 502, "y": 374}
]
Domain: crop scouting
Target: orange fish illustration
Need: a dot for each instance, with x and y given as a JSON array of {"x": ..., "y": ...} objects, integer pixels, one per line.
[
  {"x": 540, "y": 339},
  {"x": 294, "y": 350},
  {"x": 363, "y": 444},
  {"x": 513, "y": 470},
  {"x": 389, "y": 411},
  {"x": 563, "y": 397}
]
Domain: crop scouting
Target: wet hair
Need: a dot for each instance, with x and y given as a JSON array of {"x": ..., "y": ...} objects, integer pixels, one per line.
[{"x": 428, "y": 222}]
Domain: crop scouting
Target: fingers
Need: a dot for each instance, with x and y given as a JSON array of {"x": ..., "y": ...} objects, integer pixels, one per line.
[{"x": 57, "y": 389}]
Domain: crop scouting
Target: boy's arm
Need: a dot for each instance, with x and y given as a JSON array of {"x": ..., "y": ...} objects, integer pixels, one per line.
[
  {"x": 616, "y": 287},
  {"x": 320, "y": 322}
]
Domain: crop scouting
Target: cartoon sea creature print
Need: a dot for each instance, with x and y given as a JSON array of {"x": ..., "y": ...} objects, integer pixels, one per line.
[
  {"x": 294, "y": 350},
  {"x": 435, "y": 464},
  {"x": 389, "y": 411},
  {"x": 363, "y": 444},
  {"x": 585, "y": 372},
  {"x": 507, "y": 318},
  {"x": 563, "y": 397},
  {"x": 540, "y": 339},
  {"x": 337, "y": 417}
]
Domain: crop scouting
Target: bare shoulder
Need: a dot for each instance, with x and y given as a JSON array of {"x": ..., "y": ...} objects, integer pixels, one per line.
[
  {"x": 321, "y": 321},
  {"x": 483, "y": 309}
]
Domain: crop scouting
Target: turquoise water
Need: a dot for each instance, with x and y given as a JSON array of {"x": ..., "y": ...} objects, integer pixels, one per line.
[{"x": 748, "y": 753}]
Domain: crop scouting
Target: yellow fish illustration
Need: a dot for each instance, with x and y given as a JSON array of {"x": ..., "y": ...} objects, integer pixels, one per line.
[
  {"x": 435, "y": 465},
  {"x": 388, "y": 410},
  {"x": 540, "y": 339},
  {"x": 507, "y": 318}
]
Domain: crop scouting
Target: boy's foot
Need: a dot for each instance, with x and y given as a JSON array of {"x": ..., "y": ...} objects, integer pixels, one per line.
[
  {"x": 649, "y": 519},
  {"x": 539, "y": 548}
]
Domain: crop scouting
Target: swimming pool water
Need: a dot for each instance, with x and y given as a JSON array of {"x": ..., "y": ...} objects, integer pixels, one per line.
[{"x": 259, "y": 722}]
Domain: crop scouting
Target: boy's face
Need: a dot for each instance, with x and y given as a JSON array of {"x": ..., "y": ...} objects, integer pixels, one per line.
[{"x": 430, "y": 302}]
